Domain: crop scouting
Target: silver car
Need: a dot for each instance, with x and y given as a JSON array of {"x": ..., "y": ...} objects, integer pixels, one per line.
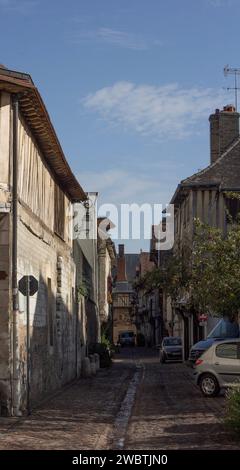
[
  {"x": 218, "y": 367},
  {"x": 171, "y": 349},
  {"x": 127, "y": 338}
]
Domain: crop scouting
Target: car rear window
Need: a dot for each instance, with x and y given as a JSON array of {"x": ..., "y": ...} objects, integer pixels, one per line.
[
  {"x": 228, "y": 351},
  {"x": 172, "y": 342},
  {"x": 127, "y": 335}
]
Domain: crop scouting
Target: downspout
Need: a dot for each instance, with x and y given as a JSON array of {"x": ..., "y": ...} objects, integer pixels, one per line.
[{"x": 15, "y": 306}]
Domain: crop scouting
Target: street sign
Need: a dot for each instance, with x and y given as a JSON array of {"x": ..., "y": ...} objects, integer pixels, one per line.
[
  {"x": 23, "y": 284},
  {"x": 28, "y": 286},
  {"x": 202, "y": 318}
]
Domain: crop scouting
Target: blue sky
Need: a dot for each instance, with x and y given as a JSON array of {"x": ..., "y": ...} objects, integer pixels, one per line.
[{"x": 129, "y": 85}]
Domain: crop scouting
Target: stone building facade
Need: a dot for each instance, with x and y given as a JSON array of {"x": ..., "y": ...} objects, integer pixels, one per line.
[
  {"x": 37, "y": 189},
  {"x": 147, "y": 309},
  {"x": 123, "y": 310},
  {"x": 86, "y": 260},
  {"x": 106, "y": 264},
  {"x": 204, "y": 196}
]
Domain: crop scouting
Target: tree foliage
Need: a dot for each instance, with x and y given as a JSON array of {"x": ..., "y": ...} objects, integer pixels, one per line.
[
  {"x": 215, "y": 272},
  {"x": 172, "y": 277},
  {"x": 208, "y": 271}
]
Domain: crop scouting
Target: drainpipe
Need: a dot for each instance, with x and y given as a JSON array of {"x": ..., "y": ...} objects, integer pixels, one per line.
[{"x": 15, "y": 306}]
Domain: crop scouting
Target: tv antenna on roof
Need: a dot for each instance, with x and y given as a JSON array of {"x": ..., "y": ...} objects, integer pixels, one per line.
[{"x": 236, "y": 72}]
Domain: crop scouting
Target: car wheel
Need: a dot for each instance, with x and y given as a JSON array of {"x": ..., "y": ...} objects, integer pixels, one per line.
[{"x": 209, "y": 385}]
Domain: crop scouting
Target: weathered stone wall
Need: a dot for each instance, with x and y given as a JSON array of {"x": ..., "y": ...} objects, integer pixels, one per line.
[
  {"x": 53, "y": 315},
  {"x": 5, "y": 389},
  {"x": 85, "y": 257},
  {"x": 104, "y": 271},
  {"x": 90, "y": 328},
  {"x": 82, "y": 315}
]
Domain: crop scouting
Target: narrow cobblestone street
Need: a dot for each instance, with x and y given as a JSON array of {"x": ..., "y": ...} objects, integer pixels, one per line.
[{"x": 169, "y": 412}]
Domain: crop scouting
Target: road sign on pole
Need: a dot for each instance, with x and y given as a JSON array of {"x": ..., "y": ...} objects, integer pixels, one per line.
[
  {"x": 33, "y": 285},
  {"x": 28, "y": 286},
  {"x": 202, "y": 317}
]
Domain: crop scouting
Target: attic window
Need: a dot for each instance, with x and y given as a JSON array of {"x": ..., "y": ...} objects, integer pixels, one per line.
[{"x": 232, "y": 207}]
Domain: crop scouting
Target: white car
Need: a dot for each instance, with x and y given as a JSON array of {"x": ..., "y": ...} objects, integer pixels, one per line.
[{"x": 218, "y": 367}]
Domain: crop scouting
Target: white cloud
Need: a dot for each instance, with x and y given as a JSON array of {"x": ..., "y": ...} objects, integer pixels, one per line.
[
  {"x": 117, "y": 186},
  {"x": 167, "y": 112},
  {"x": 126, "y": 187},
  {"x": 114, "y": 37}
]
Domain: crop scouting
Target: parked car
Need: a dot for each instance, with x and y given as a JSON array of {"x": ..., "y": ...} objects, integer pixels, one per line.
[
  {"x": 225, "y": 329},
  {"x": 218, "y": 367},
  {"x": 171, "y": 349},
  {"x": 127, "y": 338}
]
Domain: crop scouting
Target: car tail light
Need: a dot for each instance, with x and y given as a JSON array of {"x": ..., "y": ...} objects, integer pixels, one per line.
[{"x": 198, "y": 362}]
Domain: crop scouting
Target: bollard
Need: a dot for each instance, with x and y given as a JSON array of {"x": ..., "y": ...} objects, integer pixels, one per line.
[
  {"x": 97, "y": 361},
  {"x": 86, "y": 367},
  {"x": 92, "y": 364}
]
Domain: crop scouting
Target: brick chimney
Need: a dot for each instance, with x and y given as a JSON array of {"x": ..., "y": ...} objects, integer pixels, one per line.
[
  {"x": 121, "y": 264},
  {"x": 224, "y": 129}
]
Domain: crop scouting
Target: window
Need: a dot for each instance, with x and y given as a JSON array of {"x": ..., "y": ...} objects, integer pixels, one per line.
[
  {"x": 59, "y": 211},
  {"x": 176, "y": 223},
  {"x": 232, "y": 209},
  {"x": 50, "y": 310},
  {"x": 184, "y": 214},
  {"x": 87, "y": 277},
  {"x": 187, "y": 210},
  {"x": 227, "y": 350},
  {"x": 123, "y": 301}
]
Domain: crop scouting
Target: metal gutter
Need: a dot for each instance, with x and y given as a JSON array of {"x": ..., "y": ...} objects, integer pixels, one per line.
[{"x": 15, "y": 306}]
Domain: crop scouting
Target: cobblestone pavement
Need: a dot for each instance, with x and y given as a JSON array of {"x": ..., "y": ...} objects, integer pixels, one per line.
[
  {"x": 80, "y": 417},
  {"x": 169, "y": 412}
]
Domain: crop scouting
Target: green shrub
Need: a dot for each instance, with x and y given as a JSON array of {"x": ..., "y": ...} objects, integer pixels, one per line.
[
  {"x": 106, "y": 341},
  {"x": 232, "y": 419}
]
